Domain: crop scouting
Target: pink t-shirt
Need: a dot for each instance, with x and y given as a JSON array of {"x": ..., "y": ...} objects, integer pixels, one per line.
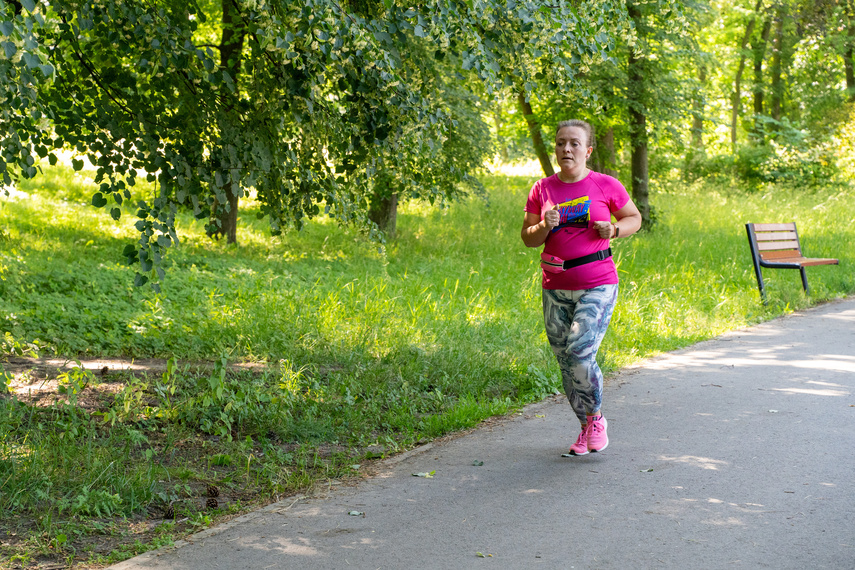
[{"x": 581, "y": 203}]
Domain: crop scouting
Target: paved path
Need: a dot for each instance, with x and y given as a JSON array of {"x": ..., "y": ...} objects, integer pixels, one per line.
[{"x": 736, "y": 453}]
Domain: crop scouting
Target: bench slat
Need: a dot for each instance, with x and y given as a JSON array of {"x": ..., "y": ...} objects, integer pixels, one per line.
[
  {"x": 781, "y": 254},
  {"x": 801, "y": 261},
  {"x": 774, "y": 227},
  {"x": 772, "y": 245},
  {"x": 774, "y": 236},
  {"x": 808, "y": 261}
]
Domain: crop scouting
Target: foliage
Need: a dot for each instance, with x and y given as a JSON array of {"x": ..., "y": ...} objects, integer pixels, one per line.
[
  {"x": 319, "y": 97},
  {"x": 601, "y": 93},
  {"x": 793, "y": 157}
]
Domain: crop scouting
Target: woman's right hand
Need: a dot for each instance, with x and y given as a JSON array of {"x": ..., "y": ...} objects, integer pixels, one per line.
[
  {"x": 536, "y": 230},
  {"x": 551, "y": 218}
]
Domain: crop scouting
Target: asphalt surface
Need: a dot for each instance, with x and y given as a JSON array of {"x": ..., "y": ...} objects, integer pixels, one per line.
[{"x": 735, "y": 453}]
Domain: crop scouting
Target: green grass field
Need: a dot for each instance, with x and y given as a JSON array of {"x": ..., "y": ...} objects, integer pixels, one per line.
[{"x": 363, "y": 349}]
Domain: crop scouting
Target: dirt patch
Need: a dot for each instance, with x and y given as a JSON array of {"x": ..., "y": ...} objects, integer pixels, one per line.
[
  {"x": 36, "y": 380},
  {"x": 47, "y": 368}
]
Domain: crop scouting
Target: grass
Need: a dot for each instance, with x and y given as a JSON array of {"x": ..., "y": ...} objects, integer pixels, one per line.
[{"x": 361, "y": 351}]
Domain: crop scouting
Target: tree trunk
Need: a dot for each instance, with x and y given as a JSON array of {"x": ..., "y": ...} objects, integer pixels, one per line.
[
  {"x": 383, "y": 205},
  {"x": 500, "y": 141},
  {"x": 638, "y": 125},
  {"x": 848, "y": 54},
  {"x": 736, "y": 98},
  {"x": 698, "y": 112},
  {"x": 695, "y": 152},
  {"x": 759, "y": 49},
  {"x": 777, "y": 86},
  {"x": 850, "y": 74},
  {"x": 604, "y": 153},
  {"x": 536, "y": 137},
  {"x": 231, "y": 48}
]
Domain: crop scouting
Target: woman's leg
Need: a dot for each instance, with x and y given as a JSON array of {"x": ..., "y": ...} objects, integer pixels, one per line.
[{"x": 576, "y": 322}]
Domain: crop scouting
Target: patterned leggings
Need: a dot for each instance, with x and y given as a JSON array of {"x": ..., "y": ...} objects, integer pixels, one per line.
[{"x": 576, "y": 322}]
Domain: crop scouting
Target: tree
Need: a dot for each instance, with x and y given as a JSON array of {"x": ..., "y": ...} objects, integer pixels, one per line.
[
  {"x": 776, "y": 99},
  {"x": 231, "y": 55},
  {"x": 736, "y": 98},
  {"x": 758, "y": 48},
  {"x": 849, "y": 50},
  {"x": 304, "y": 104},
  {"x": 637, "y": 109},
  {"x": 654, "y": 88},
  {"x": 534, "y": 130}
]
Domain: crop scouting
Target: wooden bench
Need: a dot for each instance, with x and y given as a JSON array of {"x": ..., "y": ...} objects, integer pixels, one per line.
[{"x": 777, "y": 245}]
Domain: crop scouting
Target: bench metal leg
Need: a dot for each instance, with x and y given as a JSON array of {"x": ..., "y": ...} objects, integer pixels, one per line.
[
  {"x": 755, "y": 258},
  {"x": 804, "y": 280},
  {"x": 760, "y": 284}
]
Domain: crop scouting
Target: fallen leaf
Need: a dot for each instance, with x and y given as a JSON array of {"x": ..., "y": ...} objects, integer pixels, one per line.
[
  {"x": 540, "y": 415},
  {"x": 773, "y": 411},
  {"x": 647, "y": 470},
  {"x": 425, "y": 475},
  {"x": 477, "y": 463},
  {"x": 356, "y": 513}
]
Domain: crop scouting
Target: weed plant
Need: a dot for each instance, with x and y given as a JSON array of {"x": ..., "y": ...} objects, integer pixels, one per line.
[{"x": 362, "y": 349}]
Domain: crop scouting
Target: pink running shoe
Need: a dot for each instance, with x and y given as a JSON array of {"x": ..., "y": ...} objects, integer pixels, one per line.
[
  {"x": 581, "y": 445},
  {"x": 597, "y": 438}
]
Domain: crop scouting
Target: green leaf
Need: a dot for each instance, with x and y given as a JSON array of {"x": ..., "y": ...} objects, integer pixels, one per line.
[
  {"x": 31, "y": 60},
  {"x": 140, "y": 280},
  {"x": 10, "y": 49},
  {"x": 30, "y": 5},
  {"x": 115, "y": 213},
  {"x": 98, "y": 200},
  {"x": 76, "y": 164}
]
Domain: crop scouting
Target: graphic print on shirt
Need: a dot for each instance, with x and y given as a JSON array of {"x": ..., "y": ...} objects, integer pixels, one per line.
[{"x": 574, "y": 214}]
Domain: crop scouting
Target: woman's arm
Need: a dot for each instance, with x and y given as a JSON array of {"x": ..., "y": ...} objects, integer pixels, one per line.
[
  {"x": 627, "y": 222},
  {"x": 535, "y": 231}
]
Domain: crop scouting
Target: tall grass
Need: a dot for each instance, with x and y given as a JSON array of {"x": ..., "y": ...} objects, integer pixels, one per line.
[{"x": 457, "y": 290}]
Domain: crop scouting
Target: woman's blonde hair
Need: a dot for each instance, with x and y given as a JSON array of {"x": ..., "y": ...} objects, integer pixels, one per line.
[{"x": 589, "y": 130}]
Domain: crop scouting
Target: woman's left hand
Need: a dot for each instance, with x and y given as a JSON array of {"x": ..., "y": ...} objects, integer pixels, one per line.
[{"x": 604, "y": 229}]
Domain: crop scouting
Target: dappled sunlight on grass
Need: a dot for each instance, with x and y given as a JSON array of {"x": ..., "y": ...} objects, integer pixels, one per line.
[{"x": 456, "y": 287}]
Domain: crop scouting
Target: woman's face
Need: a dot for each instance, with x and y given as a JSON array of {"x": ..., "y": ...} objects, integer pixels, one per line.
[{"x": 572, "y": 150}]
